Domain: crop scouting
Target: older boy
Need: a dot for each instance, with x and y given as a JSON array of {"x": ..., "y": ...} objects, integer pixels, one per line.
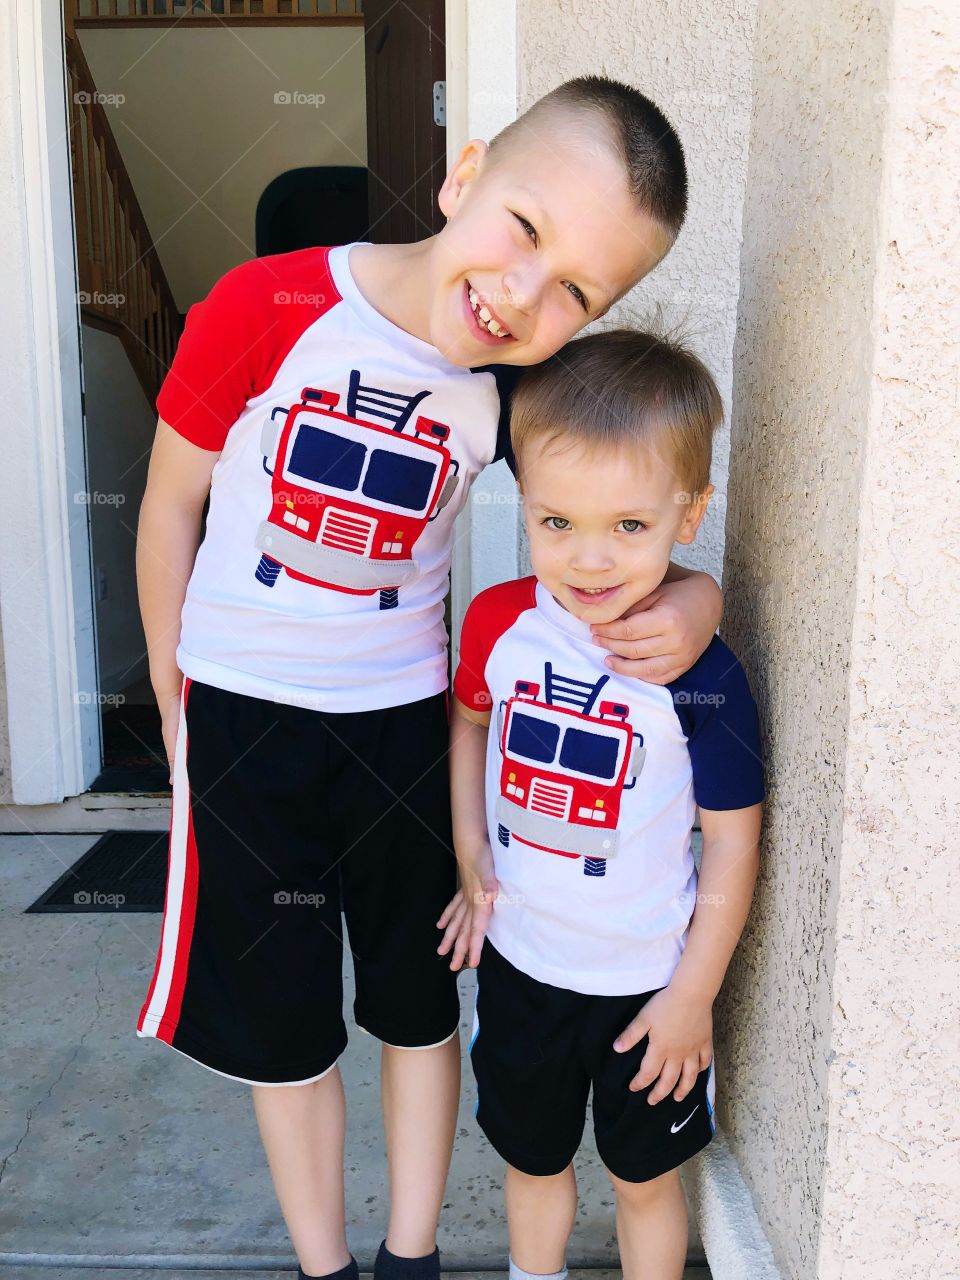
[
  {"x": 337, "y": 404},
  {"x": 597, "y": 971}
]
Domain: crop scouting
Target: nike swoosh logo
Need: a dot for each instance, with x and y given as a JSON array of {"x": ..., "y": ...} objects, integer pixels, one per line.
[{"x": 675, "y": 1128}]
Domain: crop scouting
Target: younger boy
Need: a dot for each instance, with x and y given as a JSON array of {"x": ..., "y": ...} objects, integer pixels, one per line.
[{"x": 597, "y": 971}]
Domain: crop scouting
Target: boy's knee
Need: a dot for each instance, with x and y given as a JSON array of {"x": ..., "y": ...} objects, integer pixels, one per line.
[
  {"x": 645, "y": 1193},
  {"x": 535, "y": 1179}
]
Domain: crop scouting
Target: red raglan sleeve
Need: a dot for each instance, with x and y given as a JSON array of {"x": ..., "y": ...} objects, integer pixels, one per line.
[
  {"x": 490, "y": 615},
  {"x": 470, "y": 682},
  {"x": 220, "y": 359}
]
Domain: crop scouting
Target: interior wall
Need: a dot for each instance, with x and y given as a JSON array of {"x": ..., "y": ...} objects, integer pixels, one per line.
[
  {"x": 201, "y": 130},
  {"x": 120, "y": 425}
]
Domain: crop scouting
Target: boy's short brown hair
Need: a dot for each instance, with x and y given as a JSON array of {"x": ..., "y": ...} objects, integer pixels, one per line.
[
  {"x": 641, "y": 135},
  {"x": 622, "y": 387}
]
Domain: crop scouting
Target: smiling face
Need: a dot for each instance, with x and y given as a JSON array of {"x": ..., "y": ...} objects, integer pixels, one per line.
[
  {"x": 602, "y": 522},
  {"x": 538, "y": 243}
]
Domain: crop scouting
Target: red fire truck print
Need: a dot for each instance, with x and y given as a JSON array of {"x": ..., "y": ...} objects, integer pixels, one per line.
[
  {"x": 350, "y": 496},
  {"x": 565, "y": 769}
]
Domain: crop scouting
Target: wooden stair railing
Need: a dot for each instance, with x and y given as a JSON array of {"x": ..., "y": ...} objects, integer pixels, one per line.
[
  {"x": 209, "y": 13},
  {"x": 123, "y": 288}
]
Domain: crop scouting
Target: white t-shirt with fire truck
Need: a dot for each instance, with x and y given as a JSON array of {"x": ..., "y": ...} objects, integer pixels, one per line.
[
  {"x": 347, "y": 448},
  {"x": 592, "y": 784}
]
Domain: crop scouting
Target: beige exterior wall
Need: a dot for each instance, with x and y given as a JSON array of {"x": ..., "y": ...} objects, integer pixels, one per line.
[
  {"x": 837, "y": 1027},
  {"x": 693, "y": 58}
]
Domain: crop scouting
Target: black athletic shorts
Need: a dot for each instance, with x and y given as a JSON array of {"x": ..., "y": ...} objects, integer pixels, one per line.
[
  {"x": 536, "y": 1051},
  {"x": 283, "y": 818}
]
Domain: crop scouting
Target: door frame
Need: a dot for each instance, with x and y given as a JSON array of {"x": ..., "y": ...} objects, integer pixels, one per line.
[
  {"x": 482, "y": 97},
  {"x": 50, "y": 661},
  {"x": 46, "y": 608}
]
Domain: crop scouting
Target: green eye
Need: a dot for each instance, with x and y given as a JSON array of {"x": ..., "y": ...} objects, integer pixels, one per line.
[
  {"x": 631, "y": 526},
  {"x": 528, "y": 227},
  {"x": 556, "y": 522}
]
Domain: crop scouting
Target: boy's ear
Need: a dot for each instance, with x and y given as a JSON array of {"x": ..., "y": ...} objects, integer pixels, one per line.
[
  {"x": 465, "y": 169},
  {"x": 696, "y": 510}
]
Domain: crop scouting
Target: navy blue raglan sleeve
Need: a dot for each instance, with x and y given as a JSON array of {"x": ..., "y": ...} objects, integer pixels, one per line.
[
  {"x": 506, "y": 376},
  {"x": 719, "y": 718}
]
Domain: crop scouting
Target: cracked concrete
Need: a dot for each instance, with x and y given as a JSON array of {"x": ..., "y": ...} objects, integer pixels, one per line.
[{"x": 120, "y": 1150}]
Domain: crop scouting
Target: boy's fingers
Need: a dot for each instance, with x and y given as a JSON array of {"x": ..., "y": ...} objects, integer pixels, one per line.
[
  {"x": 632, "y": 1034},
  {"x": 448, "y": 910},
  {"x": 669, "y": 1074},
  {"x": 659, "y": 670},
  {"x": 632, "y": 646},
  {"x": 450, "y": 934},
  {"x": 688, "y": 1077},
  {"x": 650, "y": 1067}
]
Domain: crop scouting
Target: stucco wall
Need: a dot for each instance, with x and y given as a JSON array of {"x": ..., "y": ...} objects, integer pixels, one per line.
[
  {"x": 894, "y": 1065},
  {"x": 831, "y": 1026},
  {"x": 693, "y": 58}
]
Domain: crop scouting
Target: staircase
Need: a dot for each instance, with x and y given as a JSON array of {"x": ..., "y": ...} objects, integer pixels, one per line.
[{"x": 123, "y": 288}]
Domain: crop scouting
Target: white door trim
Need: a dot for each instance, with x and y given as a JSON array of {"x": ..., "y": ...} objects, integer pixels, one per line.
[
  {"x": 46, "y": 604},
  {"x": 482, "y": 97}
]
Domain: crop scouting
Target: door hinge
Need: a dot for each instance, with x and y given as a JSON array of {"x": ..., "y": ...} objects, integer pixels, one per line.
[{"x": 440, "y": 103}]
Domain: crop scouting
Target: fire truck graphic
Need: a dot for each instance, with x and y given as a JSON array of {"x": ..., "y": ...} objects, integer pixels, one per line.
[
  {"x": 350, "y": 496},
  {"x": 565, "y": 769}
]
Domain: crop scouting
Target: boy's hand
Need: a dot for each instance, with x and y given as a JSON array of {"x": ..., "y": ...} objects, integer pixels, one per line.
[
  {"x": 169, "y": 705},
  {"x": 680, "y": 1027},
  {"x": 466, "y": 917},
  {"x": 664, "y": 634}
]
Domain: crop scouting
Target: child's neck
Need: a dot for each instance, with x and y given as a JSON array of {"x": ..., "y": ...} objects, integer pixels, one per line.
[{"x": 393, "y": 279}]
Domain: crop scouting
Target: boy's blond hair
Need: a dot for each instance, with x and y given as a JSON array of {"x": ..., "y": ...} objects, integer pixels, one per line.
[{"x": 622, "y": 387}]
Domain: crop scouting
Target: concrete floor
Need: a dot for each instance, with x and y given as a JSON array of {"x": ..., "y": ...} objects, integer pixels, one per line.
[{"x": 121, "y": 1151}]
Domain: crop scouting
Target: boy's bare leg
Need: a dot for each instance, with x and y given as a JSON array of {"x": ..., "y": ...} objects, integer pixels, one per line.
[
  {"x": 302, "y": 1130},
  {"x": 540, "y": 1214},
  {"x": 420, "y": 1090},
  {"x": 651, "y": 1227}
]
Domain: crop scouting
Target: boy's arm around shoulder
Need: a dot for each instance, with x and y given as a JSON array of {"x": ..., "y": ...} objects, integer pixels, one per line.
[{"x": 666, "y": 632}]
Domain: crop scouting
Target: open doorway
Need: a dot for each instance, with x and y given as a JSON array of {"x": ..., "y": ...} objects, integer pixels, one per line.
[{"x": 204, "y": 133}]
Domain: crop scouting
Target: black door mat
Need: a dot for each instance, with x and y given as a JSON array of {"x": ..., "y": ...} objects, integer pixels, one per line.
[{"x": 124, "y": 871}]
